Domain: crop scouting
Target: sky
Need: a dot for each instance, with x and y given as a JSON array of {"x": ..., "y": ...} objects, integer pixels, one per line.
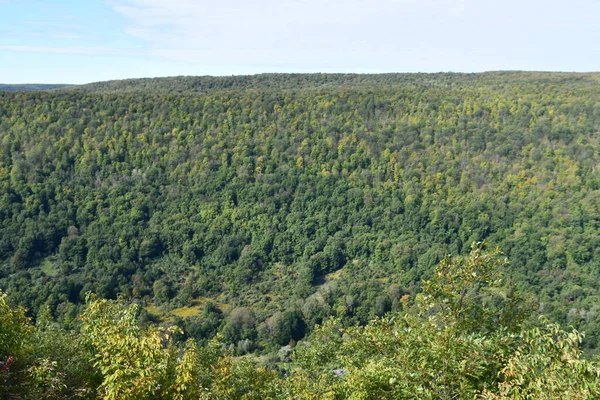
[{"x": 80, "y": 41}]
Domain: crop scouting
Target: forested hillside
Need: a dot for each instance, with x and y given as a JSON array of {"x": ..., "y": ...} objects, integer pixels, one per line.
[
  {"x": 30, "y": 87},
  {"x": 204, "y": 84},
  {"x": 256, "y": 207}
]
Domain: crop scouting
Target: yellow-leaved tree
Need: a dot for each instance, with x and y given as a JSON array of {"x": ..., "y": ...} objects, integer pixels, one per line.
[
  {"x": 135, "y": 363},
  {"x": 15, "y": 343}
]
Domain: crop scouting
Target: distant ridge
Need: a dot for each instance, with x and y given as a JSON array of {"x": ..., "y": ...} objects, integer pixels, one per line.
[
  {"x": 30, "y": 87},
  {"x": 277, "y": 81}
]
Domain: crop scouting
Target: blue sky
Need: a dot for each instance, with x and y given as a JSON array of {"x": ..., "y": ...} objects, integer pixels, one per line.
[{"x": 78, "y": 41}]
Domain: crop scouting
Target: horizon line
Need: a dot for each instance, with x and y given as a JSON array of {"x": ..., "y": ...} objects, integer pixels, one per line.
[{"x": 311, "y": 73}]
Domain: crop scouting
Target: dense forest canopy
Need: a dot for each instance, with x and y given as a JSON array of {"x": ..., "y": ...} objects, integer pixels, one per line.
[{"x": 259, "y": 206}]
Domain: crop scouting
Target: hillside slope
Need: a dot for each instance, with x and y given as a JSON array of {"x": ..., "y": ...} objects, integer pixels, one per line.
[
  {"x": 298, "y": 196},
  {"x": 204, "y": 84},
  {"x": 30, "y": 87}
]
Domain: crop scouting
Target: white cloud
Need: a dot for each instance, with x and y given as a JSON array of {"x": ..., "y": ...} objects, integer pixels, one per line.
[
  {"x": 300, "y": 31},
  {"x": 379, "y": 34}
]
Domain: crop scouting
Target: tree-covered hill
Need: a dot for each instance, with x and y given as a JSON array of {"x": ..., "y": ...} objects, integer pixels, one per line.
[
  {"x": 30, "y": 87},
  {"x": 203, "y": 84},
  {"x": 259, "y": 206}
]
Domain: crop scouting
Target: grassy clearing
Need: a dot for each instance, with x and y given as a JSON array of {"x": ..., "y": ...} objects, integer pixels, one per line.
[
  {"x": 184, "y": 312},
  {"x": 48, "y": 267}
]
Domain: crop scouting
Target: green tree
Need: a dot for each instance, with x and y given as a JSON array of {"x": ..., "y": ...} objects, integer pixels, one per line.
[
  {"x": 134, "y": 363},
  {"x": 468, "y": 292},
  {"x": 15, "y": 344}
]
